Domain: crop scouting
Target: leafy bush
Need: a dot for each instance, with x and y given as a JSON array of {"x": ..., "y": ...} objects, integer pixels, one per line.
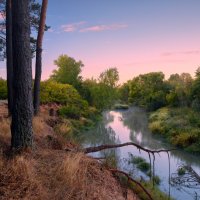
[
  {"x": 137, "y": 159},
  {"x": 144, "y": 166},
  {"x": 179, "y": 125},
  {"x": 3, "y": 89},
  {"x": 59, "y": 93},
  {"x": 140, "y": 163},
  {"x": 156, "y": 127},
  {"x": 70, "y": 111},
  {"x": 156, "y": 180},
  {"x": 181, "y": 171}
]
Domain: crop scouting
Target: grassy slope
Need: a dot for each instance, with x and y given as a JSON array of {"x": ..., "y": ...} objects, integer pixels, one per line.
[{"x": 49, "y": 172}]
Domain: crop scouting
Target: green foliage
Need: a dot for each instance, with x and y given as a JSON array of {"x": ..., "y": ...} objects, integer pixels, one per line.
[
  {"x": 140, "y": 163},
  {"x": 137, "y": 159},
  {"x": 110, "y": 77},
  {"x": 123, "y": 92},
  {"x": 179, "y": 125},
  {"x": 70, "y": 112},
  {"x": 156, "y": 180},
  {"x": 181, "y": 171},
  {"x": 3, "y": 89},
  {"x": 148, "y": 90},
  {"x": 144, "y": 166},
  {"x": 195, "y": 94},
  {"x": 68, "y": 71},
  {"x": 99, "y": 94},
  {"x": 180, "y": 89},
  {"x": 121, "y": 106},
  {"x": 155, "y": 192},
  {"x": 52, "y": 91}
]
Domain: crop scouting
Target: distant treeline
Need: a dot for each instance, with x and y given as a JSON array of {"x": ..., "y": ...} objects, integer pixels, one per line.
[{"x": 152, "y": 91}]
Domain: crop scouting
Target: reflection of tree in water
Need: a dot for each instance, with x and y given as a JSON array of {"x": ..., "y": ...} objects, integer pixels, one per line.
[
  {"x": 102, "y": 134},
  {"x": 107, "y": 118},
  {"x": 98, "y": 136},
  {"x": 188, "y": 158},
  {"x": 136, "y": 120}
]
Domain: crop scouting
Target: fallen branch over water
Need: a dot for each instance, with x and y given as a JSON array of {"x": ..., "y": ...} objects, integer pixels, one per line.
[
  {"x": 112, "y": 146},
  {"x": 189, "y": 178},
  {"x": 115, "y": 171}
]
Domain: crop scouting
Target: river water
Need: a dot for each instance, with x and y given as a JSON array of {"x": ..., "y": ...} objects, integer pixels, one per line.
[{"x": 132, "y": 126}]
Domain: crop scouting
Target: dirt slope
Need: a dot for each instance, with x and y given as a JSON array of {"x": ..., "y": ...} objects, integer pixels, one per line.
[{"x": 49, "y": 172}]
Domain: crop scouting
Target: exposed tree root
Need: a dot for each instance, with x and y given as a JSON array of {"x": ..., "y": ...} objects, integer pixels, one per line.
[{"x": 115, "y": 171}]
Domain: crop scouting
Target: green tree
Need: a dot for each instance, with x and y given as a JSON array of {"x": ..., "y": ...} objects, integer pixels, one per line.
[
  {"x": 148, "y": 90},
  {"x": 195, "y": 91},
  {"x": 123, "y": 92},
  {"x": 68, "y": 71},
  {"x": 101, "y": 93},
  {"x": 110, "y": 77},
  {"x": 180, "y": 88}
]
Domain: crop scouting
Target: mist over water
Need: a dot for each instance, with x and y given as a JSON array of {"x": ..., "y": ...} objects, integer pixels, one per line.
[{"x": 132, "y": 126}]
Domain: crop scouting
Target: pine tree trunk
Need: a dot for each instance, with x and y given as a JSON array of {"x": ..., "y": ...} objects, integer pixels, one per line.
[
  {"x": 9, "y": 55},
  {"x": 21, "y": 127},
  {"x": 38, "y": 64}
]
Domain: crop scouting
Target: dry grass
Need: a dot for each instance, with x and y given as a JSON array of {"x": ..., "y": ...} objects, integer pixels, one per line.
[
  {"x": 80, "y": 177},
  {"x": 5, "y": 127},
  {"x": 38, "y": 125},
  {"x": 18, "y": 179},
  {"x": 48, "y": 172}
]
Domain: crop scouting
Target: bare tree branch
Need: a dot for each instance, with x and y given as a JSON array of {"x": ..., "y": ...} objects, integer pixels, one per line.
[
  {"x": 132, "y": 180},
  {"x": 112, "y": 146}
]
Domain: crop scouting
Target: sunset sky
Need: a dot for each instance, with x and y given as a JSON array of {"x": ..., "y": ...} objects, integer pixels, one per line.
[{"x": 136, "y": 36}]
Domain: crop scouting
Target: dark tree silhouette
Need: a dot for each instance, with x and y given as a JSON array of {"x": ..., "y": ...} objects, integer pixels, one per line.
[
  {"x": 21, "y": 127},
  {"x": 38, "y": 63},
  {"x": 9, "y": 54}
]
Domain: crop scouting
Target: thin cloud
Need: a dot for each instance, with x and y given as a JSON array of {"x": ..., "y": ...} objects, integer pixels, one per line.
[
  {"x": 51, "y": 30},
  {"x": 72, "y": 27},
  {"x": 190, "y": 52},
  {"x": 100, "y": 28}
]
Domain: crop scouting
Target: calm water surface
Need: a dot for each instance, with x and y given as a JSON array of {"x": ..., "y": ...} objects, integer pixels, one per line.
[{"x": 132, "y": 125}]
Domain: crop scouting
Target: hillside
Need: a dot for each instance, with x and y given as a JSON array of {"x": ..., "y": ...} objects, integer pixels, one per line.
[{"x": 50, "y": 172}]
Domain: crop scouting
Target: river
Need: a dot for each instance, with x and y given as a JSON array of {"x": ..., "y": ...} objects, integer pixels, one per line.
[{"x": 132, "y": 126}]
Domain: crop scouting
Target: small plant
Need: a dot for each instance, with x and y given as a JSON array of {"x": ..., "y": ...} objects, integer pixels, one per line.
[
  {"x": 181, "y": 171},
  {"x": 144, "y": 166},
  {"x": 156, "y": 180},
  {"x": 140, "y": 163},
  {"x": 137, "y": 159}
]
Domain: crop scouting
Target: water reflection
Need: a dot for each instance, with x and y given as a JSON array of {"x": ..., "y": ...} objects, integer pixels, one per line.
[{"x": 132, "y": 125}]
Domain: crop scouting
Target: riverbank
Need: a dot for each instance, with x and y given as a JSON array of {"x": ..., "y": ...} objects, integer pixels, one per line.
[
  {"x": 180, "y": 126},
  {"x": 51, "y": 172}
]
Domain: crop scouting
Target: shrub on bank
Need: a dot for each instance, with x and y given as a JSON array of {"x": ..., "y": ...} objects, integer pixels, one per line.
[
  {"x": 179, "y": 125},
  {"x": 3, "y": 89}
]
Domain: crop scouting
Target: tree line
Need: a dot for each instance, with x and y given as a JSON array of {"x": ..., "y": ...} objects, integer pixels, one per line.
[{"x": 152, "y": 91}]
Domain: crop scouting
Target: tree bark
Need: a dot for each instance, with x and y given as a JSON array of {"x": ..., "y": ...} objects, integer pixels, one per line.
[
  {"x": 38, "y": 63},
  {"x": 21, "y": 127},
  {"x": 9, "y": 54}
]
